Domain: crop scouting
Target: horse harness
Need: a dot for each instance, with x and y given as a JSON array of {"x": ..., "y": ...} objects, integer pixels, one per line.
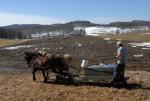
[{"x": 37, "y": 63}]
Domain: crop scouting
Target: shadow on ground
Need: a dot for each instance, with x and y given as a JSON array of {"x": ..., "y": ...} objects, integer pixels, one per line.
[{"x": 129, "y": 86}]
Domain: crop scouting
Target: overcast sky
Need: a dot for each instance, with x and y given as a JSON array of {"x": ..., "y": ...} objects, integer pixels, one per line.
[{"x": 61, "y": 11}]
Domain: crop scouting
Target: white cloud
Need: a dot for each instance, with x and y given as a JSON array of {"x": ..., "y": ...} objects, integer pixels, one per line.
[{"x": 13, "y": 18}]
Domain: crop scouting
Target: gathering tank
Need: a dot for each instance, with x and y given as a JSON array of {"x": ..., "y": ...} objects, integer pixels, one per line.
[{"x": 96, "y": 73}]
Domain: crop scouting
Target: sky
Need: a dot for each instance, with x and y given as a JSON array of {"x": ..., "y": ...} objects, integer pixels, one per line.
[{"x": 62, "y": 11}]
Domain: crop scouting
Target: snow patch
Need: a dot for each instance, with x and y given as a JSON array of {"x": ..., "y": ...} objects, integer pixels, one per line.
[
  {"x": 145, "y": 48},
  {"x": 43, "y": 48},
  {"x": 36, "y": 49},
  {"x": 79, "y": 44},
  {"x": 37, "y": 35},
  {"x": 17, "y": 47},
  {"x": 61, "y": 48},
  {"x": 138, "y": 55},
  {"x": 107, "y": 39},
  {"x": 95, "y": 31},
  {"x": 134, "y": 46},
  {"x": 143, "y": 44}
]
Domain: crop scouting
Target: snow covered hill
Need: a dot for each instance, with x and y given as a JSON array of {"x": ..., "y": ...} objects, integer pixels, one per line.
[
  {"x": 75, "y": 28},
  {"x": 112, "y": 30}
]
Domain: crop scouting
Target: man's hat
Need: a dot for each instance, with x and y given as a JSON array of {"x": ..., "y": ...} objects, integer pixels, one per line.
[{"x": 119, "y": 43}]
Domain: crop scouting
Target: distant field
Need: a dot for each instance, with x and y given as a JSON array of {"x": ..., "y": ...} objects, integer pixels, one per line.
[
  {"x": 128, "y": 37},
  {"x": 6, "y": 42}
]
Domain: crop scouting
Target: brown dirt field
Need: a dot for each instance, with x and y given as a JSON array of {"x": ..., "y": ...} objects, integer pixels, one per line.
[{"x": 20, "y": 87}]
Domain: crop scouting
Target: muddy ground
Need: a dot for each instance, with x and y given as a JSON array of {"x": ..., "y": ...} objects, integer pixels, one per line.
[
  {"x": 16, "y": 80},
  {"x": 95, "y": 49}
]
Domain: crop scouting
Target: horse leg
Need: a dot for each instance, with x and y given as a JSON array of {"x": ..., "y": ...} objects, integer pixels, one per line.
[
  {"x": 57, "y": 79},
  {"x": 66, "y": 74},
  {"x": 45, "y": 77},
  {"x": 70, "y": 79},
  {"x": 47, "y": 74},
  {"x": 33, "y": 73},
  {"x": 60, "y": 75},
  {"x": 56, "y": 74}
]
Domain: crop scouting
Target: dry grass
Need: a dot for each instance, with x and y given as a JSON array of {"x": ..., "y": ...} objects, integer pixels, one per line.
[
  {"x": 20, "y": 87},
  {"x": 129, "y": 37},
  {"x": 7, "y": 42}
]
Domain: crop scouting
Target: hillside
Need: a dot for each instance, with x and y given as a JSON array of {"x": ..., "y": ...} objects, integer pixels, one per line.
[
  {"x": 131, "y": 24},
  {"x": 35, "y": 30},
  {"x": 70, "y": 29}
]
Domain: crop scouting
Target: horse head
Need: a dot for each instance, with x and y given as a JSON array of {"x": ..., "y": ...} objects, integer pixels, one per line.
[
  {"x": 29, "y": 56},
  {"x": 68, "y": 58}
]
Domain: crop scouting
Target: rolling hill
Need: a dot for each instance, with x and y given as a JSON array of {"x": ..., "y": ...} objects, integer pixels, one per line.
[{"x": 27, "y": 31}]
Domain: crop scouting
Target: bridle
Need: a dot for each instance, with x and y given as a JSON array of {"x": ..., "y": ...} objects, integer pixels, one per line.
[{"x": 30, "y": 63}]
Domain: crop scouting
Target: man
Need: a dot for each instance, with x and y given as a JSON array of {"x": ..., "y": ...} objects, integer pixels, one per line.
[{"x": 121, "y": 61}]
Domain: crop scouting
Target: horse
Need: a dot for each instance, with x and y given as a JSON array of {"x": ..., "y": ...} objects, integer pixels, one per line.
[{"x": 44, "y": 62}]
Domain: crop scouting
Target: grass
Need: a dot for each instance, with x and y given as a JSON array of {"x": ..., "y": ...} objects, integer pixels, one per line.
[
  {"x": 128, "y": 37},
  {"x": 7, "y": 42}
]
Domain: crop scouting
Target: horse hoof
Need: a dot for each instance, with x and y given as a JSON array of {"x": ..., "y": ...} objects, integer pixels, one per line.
[
  {"x": 56, "y": 81},
  {"x": 71, "y": 80},
  {"x": 45, "y": 81},
  {"x": 34, "y": 79}
]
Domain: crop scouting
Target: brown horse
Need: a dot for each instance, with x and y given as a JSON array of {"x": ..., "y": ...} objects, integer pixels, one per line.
[{"x": 44, "y": 62}]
